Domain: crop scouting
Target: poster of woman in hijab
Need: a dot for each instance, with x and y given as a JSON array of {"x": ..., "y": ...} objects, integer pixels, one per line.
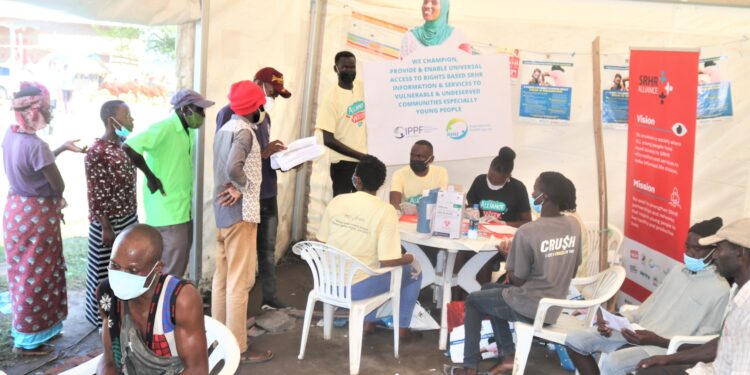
[
  {"x": 546, "y": 90},
  {"x": 714, "y": 91},
  {"x": 435, "y": 31}
]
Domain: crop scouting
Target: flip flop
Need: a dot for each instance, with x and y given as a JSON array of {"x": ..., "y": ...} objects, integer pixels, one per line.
[
  {"x": 249, "y": 358},
  {"x": 39, "y": 351},
  {"x": 451, "y": 370}
]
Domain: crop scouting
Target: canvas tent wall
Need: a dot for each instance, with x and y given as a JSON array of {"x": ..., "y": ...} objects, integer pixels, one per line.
[{"x": 246, "y": 35}]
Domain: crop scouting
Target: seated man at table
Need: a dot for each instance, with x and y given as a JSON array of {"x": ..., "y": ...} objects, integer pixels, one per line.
[
  {"x": 690, "y": 302},
  {"x": 408, "y": 183},
  {"x": 542, "y": 260},
  {"x": 366, "y": 228}
]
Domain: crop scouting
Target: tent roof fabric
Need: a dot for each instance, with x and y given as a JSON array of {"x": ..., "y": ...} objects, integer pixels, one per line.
[{"x": 149, "y": 13}]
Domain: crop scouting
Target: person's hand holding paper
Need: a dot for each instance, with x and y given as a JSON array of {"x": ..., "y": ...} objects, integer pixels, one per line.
[{"x": 272, "y": 148}]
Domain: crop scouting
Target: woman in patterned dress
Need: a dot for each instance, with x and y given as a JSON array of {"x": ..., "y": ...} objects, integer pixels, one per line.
[
  {"x": 31, "y": 224},
  {"x": 111, "y": 177}
]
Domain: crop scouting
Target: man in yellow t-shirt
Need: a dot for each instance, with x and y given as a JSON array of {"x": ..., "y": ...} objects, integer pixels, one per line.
[
  {"x": 341, "y": 118},
  {"x": 366, "y": 228},
  {"x": 408, "y": 183}
]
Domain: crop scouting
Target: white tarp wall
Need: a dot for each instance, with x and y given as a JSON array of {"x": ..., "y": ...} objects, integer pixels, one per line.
[{"x": 722, "y": 168}]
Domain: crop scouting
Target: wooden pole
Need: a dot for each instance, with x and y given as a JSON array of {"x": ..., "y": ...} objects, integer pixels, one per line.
[{"x": 601, "y": 169}]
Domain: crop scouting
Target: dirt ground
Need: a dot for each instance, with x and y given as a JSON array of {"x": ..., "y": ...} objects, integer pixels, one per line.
[{"x": 322, "y": 357}]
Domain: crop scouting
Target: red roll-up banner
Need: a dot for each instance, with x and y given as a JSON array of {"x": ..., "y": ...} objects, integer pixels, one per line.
[{"x": 661, "y": 149}]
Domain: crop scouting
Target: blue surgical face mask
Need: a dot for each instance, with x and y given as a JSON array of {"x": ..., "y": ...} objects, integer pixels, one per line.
[
  {"x": 122, "y": 131},
  {"x": 127, "y": 286},
  {"x": 696, "y": 264},
  {"x": 534, "y": 205}
]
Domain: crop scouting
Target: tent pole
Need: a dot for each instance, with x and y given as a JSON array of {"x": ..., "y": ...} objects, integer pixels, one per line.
[
  {"x": 314, "y": 45},
  {"x": 601, "y": 169},
  {"x": 195, "y": 268}
]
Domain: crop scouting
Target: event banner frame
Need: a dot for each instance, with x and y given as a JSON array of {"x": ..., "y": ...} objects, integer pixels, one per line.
[
  {"x": 457, "y": 101},
  {"x": 661, "y": 151}
]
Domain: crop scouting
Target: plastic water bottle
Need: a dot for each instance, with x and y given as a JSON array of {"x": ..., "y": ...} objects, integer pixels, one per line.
[{"x": 474, "y": 223}]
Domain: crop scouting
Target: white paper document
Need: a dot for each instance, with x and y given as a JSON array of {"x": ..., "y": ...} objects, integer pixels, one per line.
[
  {"x": 618, "y": 323},
  {"x": 296, "y": 153}
]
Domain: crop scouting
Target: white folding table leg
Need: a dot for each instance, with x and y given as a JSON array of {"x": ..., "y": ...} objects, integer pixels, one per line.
[
  {"x": 447, "y": 284},
  {"x": 467, "y": 275}
]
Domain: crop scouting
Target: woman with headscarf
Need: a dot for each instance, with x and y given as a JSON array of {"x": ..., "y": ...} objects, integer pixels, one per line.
[
  {"x": 31, "y": 224},
  {"x": 435, "y": 31}
]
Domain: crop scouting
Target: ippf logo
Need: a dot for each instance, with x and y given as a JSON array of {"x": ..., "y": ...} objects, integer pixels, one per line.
[
  {"x": 401, "y": 132},
  {"x": 457, "y": 128},
  {"x": 655, "y": 85}
]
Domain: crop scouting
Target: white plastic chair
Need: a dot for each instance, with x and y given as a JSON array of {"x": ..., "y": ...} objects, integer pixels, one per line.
[
  {"x": 605, "y": 284},
  {"x": 226, "y": 350},
  {"x": 333, "y": 271},
  {"x": 676, "y": 341},
  {"x": 591, "y": 264}
]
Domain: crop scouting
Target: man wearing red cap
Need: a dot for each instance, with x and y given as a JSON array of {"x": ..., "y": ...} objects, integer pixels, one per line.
[
  {"x": 272, "y": 83},
  {"x": 237, "y": 181}
]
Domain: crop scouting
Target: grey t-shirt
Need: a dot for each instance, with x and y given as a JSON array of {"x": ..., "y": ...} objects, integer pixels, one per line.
[{"x": 545, "y": 253}]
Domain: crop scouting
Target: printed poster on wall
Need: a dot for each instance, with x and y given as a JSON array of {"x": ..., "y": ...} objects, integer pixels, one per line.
[
  {"x": 546, "y": 90},
  {"x": 714, "y": 90},
  {"x": 661, "y": 149},
  {"x": 458, "y": 101},
  {"x": 615, "y": 82},
  {"x": 375, "y": 36}
]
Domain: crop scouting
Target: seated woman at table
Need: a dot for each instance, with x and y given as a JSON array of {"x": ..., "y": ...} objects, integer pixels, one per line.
[
  {"x": 365, "y": 227},
  {"x": 542, "y": 261},
  {"x": 501, "y": 198}
]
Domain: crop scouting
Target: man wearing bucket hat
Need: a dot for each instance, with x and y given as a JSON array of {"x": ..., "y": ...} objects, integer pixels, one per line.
[
  {"x": 732, "y": 347},
  {"x": 237, "y": 189},
  {"x": 272, "y": 83},
  {"x": 164, "y": 152}
]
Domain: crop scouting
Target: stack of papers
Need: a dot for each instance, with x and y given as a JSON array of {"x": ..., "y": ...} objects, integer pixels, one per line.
[
  {"x": 296, "y": 153},
  {"x": 618, "y": 323}
]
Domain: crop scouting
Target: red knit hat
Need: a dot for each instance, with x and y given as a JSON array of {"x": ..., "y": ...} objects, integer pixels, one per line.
[{"x": 245, "y": 97}]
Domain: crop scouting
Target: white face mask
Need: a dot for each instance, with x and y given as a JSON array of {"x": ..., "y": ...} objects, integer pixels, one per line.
[
  {"x": 127, "y": 286},
  {"x": 269, "y": 103},
  {"x": 261, "y": 117},
  {"x": 495, "y": 187}
]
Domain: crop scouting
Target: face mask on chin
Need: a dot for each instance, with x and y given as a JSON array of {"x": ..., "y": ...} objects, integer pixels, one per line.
[
  {"x": 534, "y": 205},
  {"x": 127, "y": 286},
  {"x": 122, "y": 131},
  {"x": 495, "y": 187},
  {"x": 269, "y": 104},
  {"x": 696, "y": 264}
]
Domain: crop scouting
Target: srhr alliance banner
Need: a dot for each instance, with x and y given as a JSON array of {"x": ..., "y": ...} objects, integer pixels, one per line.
[{"x": 663, "y": 87}]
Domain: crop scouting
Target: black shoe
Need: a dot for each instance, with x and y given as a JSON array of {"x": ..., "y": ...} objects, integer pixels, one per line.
[{"x": 273, "y": 304}]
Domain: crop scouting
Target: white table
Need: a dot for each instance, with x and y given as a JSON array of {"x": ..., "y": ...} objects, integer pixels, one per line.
[{"x": 442, "y": 274}]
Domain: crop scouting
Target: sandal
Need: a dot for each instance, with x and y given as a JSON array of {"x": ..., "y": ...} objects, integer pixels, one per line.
[
  {"x": 452, "y": 370},
  {"x": 249, "y": 357},
  {"x": 39, "y": 351}
]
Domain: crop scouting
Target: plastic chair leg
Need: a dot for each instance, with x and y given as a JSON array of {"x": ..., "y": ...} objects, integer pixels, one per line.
[
  {"x": 396, "y": 303},
  {"x": 524, "y": 337},
  {"x": 306, "y": 326},
  {"x": 327, "y": 320},
  {"x": 356, "y": 325}
]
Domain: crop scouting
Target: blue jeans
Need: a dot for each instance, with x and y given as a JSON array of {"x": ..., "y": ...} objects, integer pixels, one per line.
[
  {"x": 488, "y": 301},
  {"x": 621, "y": 358},
  {"x": 374, "y": 285}
]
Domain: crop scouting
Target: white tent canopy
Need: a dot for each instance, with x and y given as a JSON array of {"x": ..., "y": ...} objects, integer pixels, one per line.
[{"x": 244, "y": 36}]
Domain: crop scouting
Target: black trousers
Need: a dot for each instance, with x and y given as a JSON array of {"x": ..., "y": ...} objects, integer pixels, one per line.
[{"x": 341, "y": 176}]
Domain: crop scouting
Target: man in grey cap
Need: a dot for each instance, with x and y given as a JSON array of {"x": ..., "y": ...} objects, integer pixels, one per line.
[{"x": 168, "y": 166}]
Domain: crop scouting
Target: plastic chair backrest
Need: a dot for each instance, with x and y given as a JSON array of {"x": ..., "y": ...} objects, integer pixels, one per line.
[
  {"x": 606, "y": 285},
  {"x": 224, "y": 345},
  {"x": 332, "y": 270},
  {"x": 614, "y": 242}
]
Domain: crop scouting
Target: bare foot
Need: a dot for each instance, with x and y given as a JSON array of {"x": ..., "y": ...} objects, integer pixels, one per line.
[
  {"x": 40, "y": 350},
  {"x": 503, "y": 366}
]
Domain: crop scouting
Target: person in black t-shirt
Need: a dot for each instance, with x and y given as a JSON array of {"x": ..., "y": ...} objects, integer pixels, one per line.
[
  {"x": 499, "y": 195},
  {"x": 500, "y": 198}
]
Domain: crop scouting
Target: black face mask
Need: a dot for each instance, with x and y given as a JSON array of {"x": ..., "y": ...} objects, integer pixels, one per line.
[
  {"x": 347, "y": 77},
  {"x": 418, "y": 166}
]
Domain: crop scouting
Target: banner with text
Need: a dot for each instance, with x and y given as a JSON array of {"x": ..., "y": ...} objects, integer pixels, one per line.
[
  {"x": 661, "y": 148},
  {"x": 714, "y": 91},
  {"x": 545, "y": 88},
  {"x": 458, "y": 101},
  {"x": 615, "y": 82}
]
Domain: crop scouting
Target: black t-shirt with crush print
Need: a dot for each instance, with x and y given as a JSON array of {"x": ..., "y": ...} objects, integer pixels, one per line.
[{"x": 505, "y": 204}]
